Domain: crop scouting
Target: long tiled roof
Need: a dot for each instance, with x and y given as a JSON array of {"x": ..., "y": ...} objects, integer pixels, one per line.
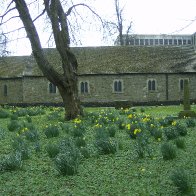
[{"x": 112, "y": 59}]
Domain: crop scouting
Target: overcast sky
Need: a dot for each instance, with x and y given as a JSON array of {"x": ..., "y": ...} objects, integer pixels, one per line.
[{"x": 148, "y": 17}]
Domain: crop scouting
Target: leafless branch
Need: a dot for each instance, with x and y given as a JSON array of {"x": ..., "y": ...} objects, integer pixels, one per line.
[
  {"x": 39, "y": 15},
  {"x": 82, "y": 4},
  {"x": 13, "y": 17},
  {"x": 13, "y": 30}
]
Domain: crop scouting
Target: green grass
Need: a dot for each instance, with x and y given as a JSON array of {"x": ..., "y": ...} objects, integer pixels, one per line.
[{"x": 121, "y": 173}]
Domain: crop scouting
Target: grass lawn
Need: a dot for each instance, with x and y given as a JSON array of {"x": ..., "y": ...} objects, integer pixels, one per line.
[{"x": 123, "y": 172}]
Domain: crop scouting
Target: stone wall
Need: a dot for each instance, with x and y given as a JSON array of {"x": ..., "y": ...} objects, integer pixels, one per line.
[
  {"x": 30, "y": 89},
  {"x": 36, "y": 90},
  {"x": 14, "y": 90}
]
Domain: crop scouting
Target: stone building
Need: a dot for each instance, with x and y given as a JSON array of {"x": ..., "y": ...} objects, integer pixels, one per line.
[{"x": 106, "y": 75}]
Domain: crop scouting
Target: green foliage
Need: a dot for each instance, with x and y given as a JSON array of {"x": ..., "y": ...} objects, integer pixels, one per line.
[
  {"x": 52, "y": 150},
  {"x": 78, "y": 130},
  {"x": 181, "y": 129},
  {"x": 2, "y": 133},
  {"x": 51, "y": 131},
  {"x": 168, "y": 151},
  {"x": 67, "y": 127},
  {"x": 112, "y": 130},
  {"x": 181, "y": 181},
  {"x": 32, "y": 135},
  {"x": 180, "y": 142},
  {"x": 103, "y": 143},
  {"x": 80, "y": 141},
  {"x": 190, "y": 122},
  {"x": 54, "y": 115},
  {"x": 11, "y": 162},
  {"x": 142, "y": 110},
  {"x": 85, "y": 152},
  {"x": 142, "y": 145},
  {"x": 4, "y": 113},
  {"x": 19, "y": 145},
  {"x": 14, "y": 117},
  {"x": 171, "y": 132},
  {"x": 67, "y": 160},
  {"x": 14, "y": 125}
]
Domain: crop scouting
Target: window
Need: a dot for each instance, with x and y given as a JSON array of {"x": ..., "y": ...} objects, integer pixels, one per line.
[
  {"x": 141, "y": 42},
  {"x": 146, "y": 42},
  {"x": 136, "y": 42},
  {"x": 131, "y": 42},
  {"x": 179, "y": 42},
  {"x": 52, "y": 88},
  {"x": 170, "y": 41},
  {"x": 184, "y": 41},
  {"x": 181, "y": 84},
  {"x": 84, "y": 87},
  {"x": 5, "y": 90},
  {"x": 175, "y": 42},
  {"x": 151, "y": 85},
  {"x": 189, "y": 41},
  {"x": 156, "y": 42},
  {"x": 165, "y": 41},
  {"x": 161, "y": 41},
  {"x": 118, "y": 86}
]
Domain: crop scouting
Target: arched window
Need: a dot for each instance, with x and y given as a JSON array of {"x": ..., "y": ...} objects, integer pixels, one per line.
[
  {"x": 5, "y": 90},
  {"x": 52, "y": 88},
  {"x": 117, "y": 86},
  {"x": 84, "y": 87},
  {"x": 181, "y": 84},
  {"x": 151, "y": 85}
]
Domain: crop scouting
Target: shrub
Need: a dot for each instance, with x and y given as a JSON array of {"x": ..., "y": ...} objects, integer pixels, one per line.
[
  {"x": 181, "y": 181},
  {"x": 32, "y": 135},
  {"x": 157, "y": 134},
  {"x": 170, "y": 132},
  {"x": 85, "y": 152},
  {"x": 181, "y": 129},
  {"x": 180, "y": 143},
  {"x": 142, "y": 145},
  {"x": 112, "y": 130},
  {"x": 19, "y": 145},
  {"x": 78, "y": 130},
  {"x": 56, "y": 115},
  {"x": 67, "y": 161},
  {"x": 2, "y": 133},
  {"x": 142, "y": 110},
  {"x": 104, "y": 143},
  {"x": 28, "y": 119},
  {"x": 14, "y": 117},
  {"x": 67, "y": 127},
  {"x": 14, "y": 125},
  {"x": 80, "y": 141},
  {"x": 168, "y": 151},
  {"x": 11, "y": 162},
  {"x": 4, "y": 113},
  {"x": 51, "y": 131},
  {"x": 21, "y": 112},
  {"x": 190, "y": 122},
  {"x": 52, "y": 150}
]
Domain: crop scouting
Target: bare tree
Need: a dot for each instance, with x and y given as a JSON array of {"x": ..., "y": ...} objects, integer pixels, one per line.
[
  {"x": 119, "y": 25},
  {"x": 67, "y": 80},
  {"x": 3, "y": 45}
]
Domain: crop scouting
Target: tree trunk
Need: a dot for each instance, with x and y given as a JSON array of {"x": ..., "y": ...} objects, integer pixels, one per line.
[{"x": 66, "y": 82}]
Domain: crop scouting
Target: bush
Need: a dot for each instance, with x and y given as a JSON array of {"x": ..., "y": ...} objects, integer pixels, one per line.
[
  {"x": 51, "y": 131},
  {"x": 4, "y": 113},
  {"x": 11, "y": 162},
  {"x": 2, "y": 133},
  {"x": 180, "y": 143},
  {"x": 85, "y": 152},
  {"x": 181, "y": 129},
  {"x": 19, "y": 145},
  {"x": 112, "y": 130},
  {"x": 181, "y": 181},
  {"x": 14, "y": 117},
  {"x": 52, "y": 150},
  {"x": 78, "y": 130},
  {"x": 14, "y": 125},
  {"x": 67, "y": 161},
  {"x": 190, "y": 122},
  {"x": 80, "y": 141},
  {"x": 104, "y": 143},
  {"x": 168, "y": 151},
  {"x": 67, "y": 127},
  {"x": 170, "y": 132},
  {"x": 32, "y": 135}
]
